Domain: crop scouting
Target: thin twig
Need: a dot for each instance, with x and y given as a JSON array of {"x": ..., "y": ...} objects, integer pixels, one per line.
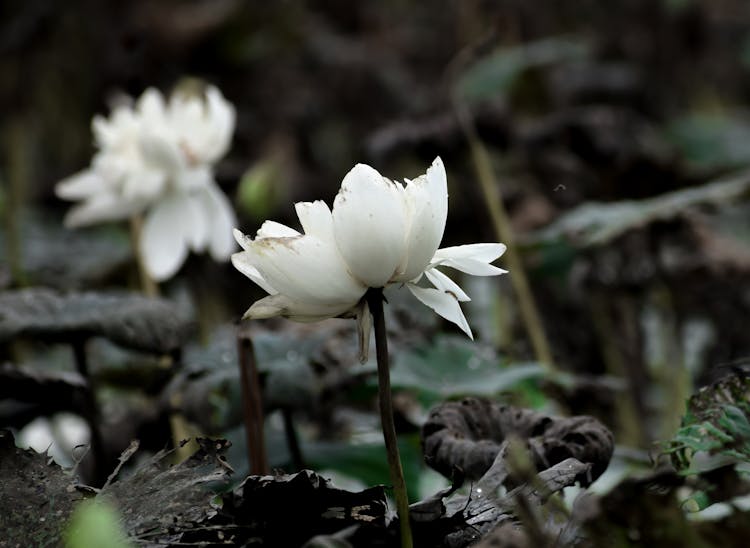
[
  {"x": 374, "y": 298},
  {"x": 252, "y": 406},
  {"x": 125, "y": 457},
  {"x": 494, "y": 201}
]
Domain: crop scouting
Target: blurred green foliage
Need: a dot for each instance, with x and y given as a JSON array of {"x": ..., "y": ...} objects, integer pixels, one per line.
[{"x": 95, "y": 523}]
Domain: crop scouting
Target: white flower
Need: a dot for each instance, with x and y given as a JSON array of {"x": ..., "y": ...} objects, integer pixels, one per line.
[
  {"x": 379, "y": 233},
  {"x": 156, "y": 158}
]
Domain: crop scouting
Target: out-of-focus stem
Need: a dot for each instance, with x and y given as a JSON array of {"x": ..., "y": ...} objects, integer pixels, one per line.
[
  {"x": 375, "y": 302},
  {"x": 17, "y": 146},
  {"x": 292, "y": 440},
  {"x": 91, "y": 412},
  {"x": 628, "y": 416},
  {"x": 494, "y": 201},
  {"x": 252, "y": 406},
  {"x": 148, "y": 285}
]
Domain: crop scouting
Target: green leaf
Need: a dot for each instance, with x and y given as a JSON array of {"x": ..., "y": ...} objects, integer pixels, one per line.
[
  {"x": 712, "y": 141},
  {"x": 698, "y": 501},
  {"x": 716, "y": 424},
  {"x": 368, "y": 461},
  {"x": 454, "y": 366},
  {"x": 499, "y": 71},
  {"x": 594, "y": 223}
]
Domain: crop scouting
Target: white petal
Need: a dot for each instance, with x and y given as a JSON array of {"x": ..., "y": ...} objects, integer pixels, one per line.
[
  {"x": 203, "y": 124},
  {"x": 445, "y": 304},
  {"x": 272, "y": 229},
  {"x": 151, "y": 106},
  {"x": 445, "y": 284},
  {"x": 118, "y": 128},
  {"x": 199, "y": 220},
  {"x": 472, "y": 259},
  {"x": 370, "y": 224},
  {"x": 222, "y": 115},
  {"x": 480, "y": 252},
  {"x": 242, "y": 263},
  {"x": 102, "y": 207},
  {"x": 161, "y": 151},
  {"x": 269, "y": 229},
  {"x": 143, "y": 184},
  {"x": 221, "y": 220},
  {"x": 427, "y": 197},
  {"x": 306, "y": 269},
  {"x": 245, "y": 241},
  {"x": 166, "y": 233},
  {"x": 194, "y": 178},
  {"x": 316, "y": 219},
  {"x": 81, "y": 185},
  {"x": 281, "y": 305}
]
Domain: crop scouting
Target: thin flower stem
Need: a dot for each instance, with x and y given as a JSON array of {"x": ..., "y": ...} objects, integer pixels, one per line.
[
  {"x": 494, "y": 201},
  {"x": 91, "y": 411},
  {"x": 252, "y": 406},
  {"x": 375, "y": 302},
  {"x": 292, "y": 439},
  {"x": 148, "y": 284}
]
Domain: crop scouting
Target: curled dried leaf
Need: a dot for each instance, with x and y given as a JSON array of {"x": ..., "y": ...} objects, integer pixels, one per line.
[{"x": 470, "y": 433}]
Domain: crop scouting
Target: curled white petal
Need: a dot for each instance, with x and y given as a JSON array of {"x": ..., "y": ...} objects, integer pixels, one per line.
[
  {"x": 101, "y": 207},
  {"x": 427, "y": 201},
  {"x": 472, "y": 259},
  {"x": 445, "y": 284},
  {"x": 306, "y": 269},
  {"x": 444, "y": 304},
  {"x": 301, "y": 311},
  {"x": 79, "y": 186},
  {"x": 242, "y": 262},
  {"x": 316, "y": 219},
  {"x": 272, "y": 229},
  {"x": 370, "y": 223}
]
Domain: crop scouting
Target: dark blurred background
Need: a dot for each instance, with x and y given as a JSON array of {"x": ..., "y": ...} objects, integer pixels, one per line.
[{"x": 607, "y": 105}]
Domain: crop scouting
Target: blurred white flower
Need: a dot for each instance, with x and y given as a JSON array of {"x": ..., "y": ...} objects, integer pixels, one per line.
[
  {"x": 379, "y": 233},
  {"x": 156, "y": 158}
]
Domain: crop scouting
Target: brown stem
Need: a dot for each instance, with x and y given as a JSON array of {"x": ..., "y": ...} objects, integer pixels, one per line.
[
  {"x": 252, "y": 406},
  {"x": 374, "y": 298}
]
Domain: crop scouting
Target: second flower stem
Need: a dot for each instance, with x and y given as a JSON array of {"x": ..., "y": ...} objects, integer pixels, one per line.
[
  {"x": 148, "y": 284},
  {"x": 375, "y": 302}
]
